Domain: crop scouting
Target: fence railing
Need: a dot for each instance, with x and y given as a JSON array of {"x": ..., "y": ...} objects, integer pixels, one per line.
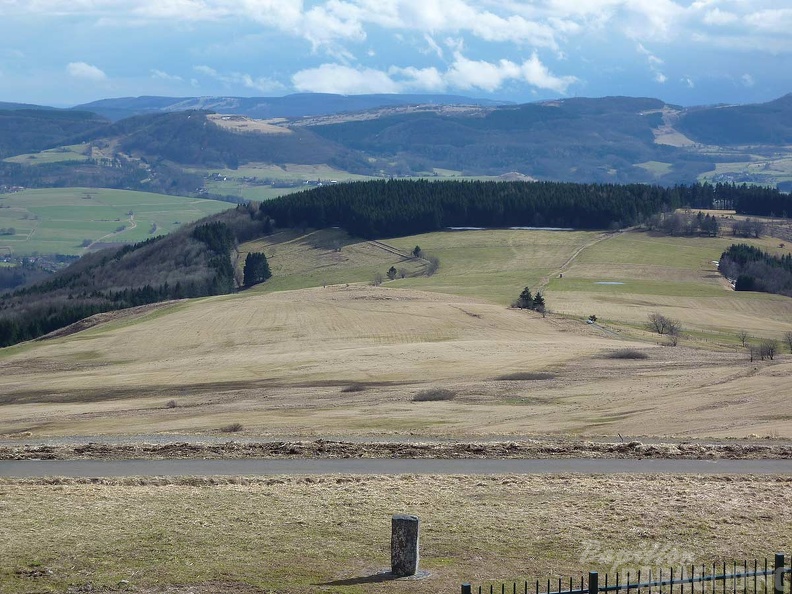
[{"x": 745, "y": 578}]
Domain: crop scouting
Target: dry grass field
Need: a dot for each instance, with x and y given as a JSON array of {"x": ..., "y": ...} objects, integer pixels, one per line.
[
  {"x": 295, "y": 358},
  {"x": 332, "y": 533},
  {"x": 279, "y": 363}
]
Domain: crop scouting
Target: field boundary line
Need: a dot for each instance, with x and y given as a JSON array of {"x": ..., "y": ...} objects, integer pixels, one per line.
[{"x": 602, "y": 237}]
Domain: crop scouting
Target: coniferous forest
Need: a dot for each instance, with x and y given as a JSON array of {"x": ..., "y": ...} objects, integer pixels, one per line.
[
  {"x": 398, "y": 207},
  {"x": 753, "y": 269}
]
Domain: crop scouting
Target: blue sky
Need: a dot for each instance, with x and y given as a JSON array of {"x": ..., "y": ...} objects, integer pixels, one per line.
[{"x": 65, "y": 52}]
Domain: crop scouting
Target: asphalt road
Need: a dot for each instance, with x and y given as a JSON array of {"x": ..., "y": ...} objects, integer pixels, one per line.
[{"x": 254, "y": 467}]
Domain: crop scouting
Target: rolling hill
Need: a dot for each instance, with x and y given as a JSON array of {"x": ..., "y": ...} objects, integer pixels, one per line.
[
  {"x": 605, "y": 140},
  {"x": 291, "y": 106},
  {"x": 28, "y": 130},
  {"x": 766, "y": 123}
]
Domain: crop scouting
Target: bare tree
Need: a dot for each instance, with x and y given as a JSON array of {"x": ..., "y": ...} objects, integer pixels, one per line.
[
  {"x": 788, "y": 340},
  {"x": 742, "y": 336},
  {"x": 377, "y": 280},
  {"x": 674, "y": 332},
  {"x": 768, "y": 349},
  {"x": 664, "y": 325},
  {"x": 658, "y": 323}
]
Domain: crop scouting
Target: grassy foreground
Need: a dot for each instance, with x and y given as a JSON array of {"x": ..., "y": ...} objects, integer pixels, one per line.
[{"x": 331, "y": 533}]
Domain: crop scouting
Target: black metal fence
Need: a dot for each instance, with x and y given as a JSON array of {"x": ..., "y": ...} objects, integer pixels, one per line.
[{"x": 734, "y": 578}]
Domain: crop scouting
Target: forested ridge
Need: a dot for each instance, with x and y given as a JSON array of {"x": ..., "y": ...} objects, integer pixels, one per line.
[
  {"x": 192, "y": 262},
  {"x": 400, "y": 207}
]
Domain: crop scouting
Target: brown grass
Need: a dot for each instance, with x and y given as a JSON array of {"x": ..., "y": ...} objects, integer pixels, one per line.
[
  {"x": 279, "y": 361},
  {"x": 333, "y": 532}
]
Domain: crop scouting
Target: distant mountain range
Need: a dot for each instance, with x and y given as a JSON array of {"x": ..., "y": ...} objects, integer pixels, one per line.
[
  {"x": 290, "y": 106},
  {"x": 610, "y": 139}
]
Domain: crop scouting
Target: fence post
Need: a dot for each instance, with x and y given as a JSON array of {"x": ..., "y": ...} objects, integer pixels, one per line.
[
  {"x": 778, "y": 574},
  {"x": 593, "y": 582},
  {"x": 466, "y": 589}
]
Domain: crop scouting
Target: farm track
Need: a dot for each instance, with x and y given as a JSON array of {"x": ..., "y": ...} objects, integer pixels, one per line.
[
  {"x": 390, "y": 249},
  {"x": 546, "y": 280}
]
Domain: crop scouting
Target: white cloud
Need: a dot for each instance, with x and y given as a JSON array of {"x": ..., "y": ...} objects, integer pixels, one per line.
[
  {"x": 344, "y": 80},
  {"x": 776, "y": 21},
  {"x": 419, "y": 79},
  {"x": 747, "y": 80},
  {"x": 717, "y": 16},
  {"x": 688, "y": 82},
  {"x": 463, "y": 74},
  {"x": 535, "y": 73},
  {"x": 654, "y": 64},
  {"x": 433, "y": 46},
  {"x": 86, "y": 71},
  {"x": 159, "y": 74},
  {"x": 241, "y": 79}
]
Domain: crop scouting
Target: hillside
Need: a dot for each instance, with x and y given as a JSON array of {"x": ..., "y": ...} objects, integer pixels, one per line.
[
  {"x": 29, "y": 130},
  {"x": 291, "y": 106},
  {"x": 765, "y": 123},
  {"x": 347, "y": 359},
  {"x": 194, "y": 261},
  {"x": 605, "y": 140}
]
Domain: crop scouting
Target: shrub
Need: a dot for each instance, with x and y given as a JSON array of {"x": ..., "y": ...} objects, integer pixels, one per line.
[
  {"x": 626, "y": 354},
  {"x": 526, "y": 376},
  {"x": 171, "y": 404},
  {"x": 353, "y": 388},
  {"x": 232, "y": 428},
  {"x": 434, "y": 395}
]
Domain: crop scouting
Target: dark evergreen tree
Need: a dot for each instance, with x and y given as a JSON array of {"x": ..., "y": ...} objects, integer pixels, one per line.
[
  {"x": 257, "y": 269},
  {"x": 525, "y": 300}
]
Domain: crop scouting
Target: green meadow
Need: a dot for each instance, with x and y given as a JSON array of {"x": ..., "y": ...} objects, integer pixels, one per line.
[
  {"x": 67, "y": 220},
  {"x": 621, "y": 278}
]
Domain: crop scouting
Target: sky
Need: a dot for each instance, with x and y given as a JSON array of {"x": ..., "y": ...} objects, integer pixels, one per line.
[{"x": 686, "y": 52}]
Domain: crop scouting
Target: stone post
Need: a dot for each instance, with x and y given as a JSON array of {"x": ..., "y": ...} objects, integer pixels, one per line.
[{"x": 404, "y": 545}]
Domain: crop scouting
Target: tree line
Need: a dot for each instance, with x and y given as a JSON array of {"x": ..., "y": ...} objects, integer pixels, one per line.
[
  {"x": 753, "y": 269},
  {"x": 393, "y": 208}
]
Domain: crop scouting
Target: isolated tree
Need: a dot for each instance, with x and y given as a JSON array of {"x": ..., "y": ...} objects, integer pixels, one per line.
[
  {"x": 256, "y": 270},
  {"x": 377, "y": 280},
  {"x": 658, "y": 323},
  {"x": 788, "y": 340},
  {"x": 664, "y": 325},
  {"x": 416, "y": 251},
  {"x": 392, "y": 272},
  {"x": 742, "y": 336},
  {"x": 434, "y": 264},
  {"x": 674, "y": 332},
  {"x": 525, "y": 300}
]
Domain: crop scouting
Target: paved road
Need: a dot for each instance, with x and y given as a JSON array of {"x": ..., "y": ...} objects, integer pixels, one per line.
[{"x": 250, "y": 467}]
